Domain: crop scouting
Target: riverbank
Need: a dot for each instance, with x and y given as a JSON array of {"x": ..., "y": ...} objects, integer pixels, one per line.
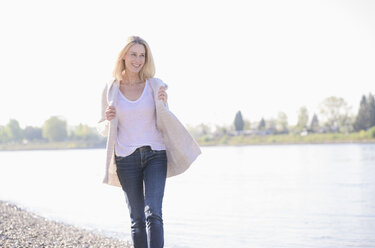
[
  {"x": 51, "y": 145},
  {"x": 19, "y": 228},
  {"x": 224, "y": 140},
  {"x": 281, "y": 139}
]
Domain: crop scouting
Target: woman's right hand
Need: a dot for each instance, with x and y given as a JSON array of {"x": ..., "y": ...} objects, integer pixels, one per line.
[{"x": 110, "y": 113}]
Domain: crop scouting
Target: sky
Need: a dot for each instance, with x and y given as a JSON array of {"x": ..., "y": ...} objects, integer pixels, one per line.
[{"x": 217, "y": 57}]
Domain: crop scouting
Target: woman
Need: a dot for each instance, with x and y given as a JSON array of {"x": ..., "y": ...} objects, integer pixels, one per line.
[{"x": 146, "y": 142}]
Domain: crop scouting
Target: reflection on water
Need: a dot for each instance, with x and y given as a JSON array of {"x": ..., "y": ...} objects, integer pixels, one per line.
[{"x": 250, "y": 196}]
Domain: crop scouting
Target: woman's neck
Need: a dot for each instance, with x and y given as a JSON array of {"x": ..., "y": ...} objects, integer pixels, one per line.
[{"x": 131, "y": 78}]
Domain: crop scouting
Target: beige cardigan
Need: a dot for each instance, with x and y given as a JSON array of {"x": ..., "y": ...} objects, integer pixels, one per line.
[{"x": 181, "y": 148}]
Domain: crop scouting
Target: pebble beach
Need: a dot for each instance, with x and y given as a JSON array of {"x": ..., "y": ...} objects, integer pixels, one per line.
[{"x": 19, "y": 228}]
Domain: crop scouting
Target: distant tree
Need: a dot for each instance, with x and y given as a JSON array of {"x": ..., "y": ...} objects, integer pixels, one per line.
[
  {"x": 282, "y": 122},
  {"x": 3, "y": 135},
  {"x": 55, "y": 129},
  {"x": 13, "y": 131},
  {"x": 371, "y": 103},
  {"x": 262, "y": 124},
  {"x": 204, "y": 129},
  {"x": 33, "y": 133},
  {"x": 221, "y": 131},
  {"x": 238, "y": 122},
  {"x": 200, "y": 130},
  {"x": 83, "y": 132},
  {"x": 363, "y": 119},
  {"x": 337, "y": 114},
  {"x": 346, "y": 123},
  {"x": 247, "y": 124},
  {"x": 303, "y": 119},
  {"x": 271, "y": 125},
  {"x": 314, "y": 125}
]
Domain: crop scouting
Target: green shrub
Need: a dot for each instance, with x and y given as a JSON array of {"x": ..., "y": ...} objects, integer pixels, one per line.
[
  {"x": 371, "y": 132},
  {"x": 362, "y": 134}
]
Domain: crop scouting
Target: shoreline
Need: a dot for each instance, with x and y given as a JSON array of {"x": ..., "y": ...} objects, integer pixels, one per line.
[
  {"x": 19, "y": 228},
  {"x": 292, "y": 143},
  {"x": 228, "y": 142},
  {"x": 289, "y": 139}
]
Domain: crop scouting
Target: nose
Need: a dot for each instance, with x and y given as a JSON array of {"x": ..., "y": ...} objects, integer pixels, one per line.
[{"x": 139, "y": 59}]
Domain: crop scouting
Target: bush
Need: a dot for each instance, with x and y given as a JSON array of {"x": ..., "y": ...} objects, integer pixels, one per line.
[
  {"x": 363, "y": 134},
  {"x": 371, "y": 132}
]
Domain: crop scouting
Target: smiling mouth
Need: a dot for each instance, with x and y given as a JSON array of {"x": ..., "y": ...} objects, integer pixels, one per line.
[{"x": 136, "y": 66}]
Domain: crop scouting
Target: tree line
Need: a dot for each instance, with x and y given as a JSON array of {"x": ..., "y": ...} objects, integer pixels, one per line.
[
  {"x": 334, "y": 112},
  {"x": 55, "y": 129},
  {"x": 334, "y": 116}
]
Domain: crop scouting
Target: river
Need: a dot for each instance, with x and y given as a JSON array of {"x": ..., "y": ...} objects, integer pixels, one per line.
[{"x": 246, "y": 196}]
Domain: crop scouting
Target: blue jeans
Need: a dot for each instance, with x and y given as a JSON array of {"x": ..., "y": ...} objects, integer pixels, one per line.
[{"x": 142, "y": 175}]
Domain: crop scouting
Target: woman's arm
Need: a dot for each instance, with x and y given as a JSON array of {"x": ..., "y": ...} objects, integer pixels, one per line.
[{"x": 103, "y": 123}]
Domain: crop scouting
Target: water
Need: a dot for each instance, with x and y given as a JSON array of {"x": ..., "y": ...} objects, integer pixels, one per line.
[{"x": 250, "y": 196}]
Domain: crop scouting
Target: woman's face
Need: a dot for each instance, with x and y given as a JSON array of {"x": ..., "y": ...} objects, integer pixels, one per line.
[{"x": 135, "y": 58}]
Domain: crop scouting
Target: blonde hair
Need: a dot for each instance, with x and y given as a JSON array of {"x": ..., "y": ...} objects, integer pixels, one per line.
[{"x": 148, "y": 69}]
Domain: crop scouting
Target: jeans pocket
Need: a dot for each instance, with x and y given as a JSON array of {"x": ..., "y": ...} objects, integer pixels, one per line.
[
  {"x": 119, "y": 158},
  {"x": 158, "y": 151},
  {"x": 159, "y": 154}
]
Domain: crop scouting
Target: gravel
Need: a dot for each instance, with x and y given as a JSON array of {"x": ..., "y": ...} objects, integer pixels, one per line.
[{"x": 19, "y": 228}]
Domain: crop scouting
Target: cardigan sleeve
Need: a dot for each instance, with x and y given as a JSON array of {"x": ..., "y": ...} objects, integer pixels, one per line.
[{"x": 103, "y": 124}]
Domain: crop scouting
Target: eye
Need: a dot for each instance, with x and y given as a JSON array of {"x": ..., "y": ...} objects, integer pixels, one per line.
[{"x": 142, "y": 55}]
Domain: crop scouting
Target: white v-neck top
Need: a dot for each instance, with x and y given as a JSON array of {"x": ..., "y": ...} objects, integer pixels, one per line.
[{"x": 137, "y": 123}]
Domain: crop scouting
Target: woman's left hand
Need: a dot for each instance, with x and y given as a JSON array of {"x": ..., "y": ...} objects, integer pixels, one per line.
[{"x": 162, "y": 94}]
